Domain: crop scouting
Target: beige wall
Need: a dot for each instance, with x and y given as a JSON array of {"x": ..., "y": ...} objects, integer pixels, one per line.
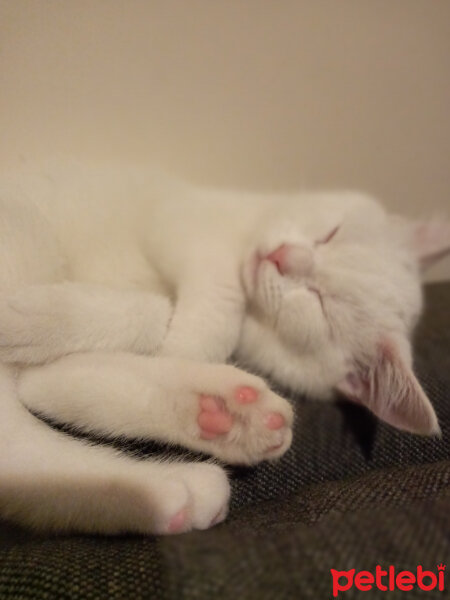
[{"x": 259, "y": 93}]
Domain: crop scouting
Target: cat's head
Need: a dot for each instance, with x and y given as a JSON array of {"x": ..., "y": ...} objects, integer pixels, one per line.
[{"x": 333, "y": 292}]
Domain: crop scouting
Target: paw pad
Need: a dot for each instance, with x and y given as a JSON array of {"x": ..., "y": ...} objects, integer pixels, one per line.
[
  {"x": 243, "y": 424},
  {"x": 177, "y": 523},
  {"x": 274, "y": 421},
  {"x": 246, "y": 394}
]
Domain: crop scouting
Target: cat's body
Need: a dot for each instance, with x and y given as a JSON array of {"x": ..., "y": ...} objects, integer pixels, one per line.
[{"x": 100, "y": 265}]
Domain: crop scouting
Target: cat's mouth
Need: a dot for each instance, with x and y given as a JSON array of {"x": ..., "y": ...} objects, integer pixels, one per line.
[
  {"x": 256, "y": 263},
  {"x": 317, "y": 292},
  {"x": 251, "y": 277},
  {"x": 249, "y": 273}
]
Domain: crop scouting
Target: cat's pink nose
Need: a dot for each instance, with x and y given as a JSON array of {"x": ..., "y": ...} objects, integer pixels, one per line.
[
  {"x": 292, "y": 259},
  {"x": 278, "y": 258}
]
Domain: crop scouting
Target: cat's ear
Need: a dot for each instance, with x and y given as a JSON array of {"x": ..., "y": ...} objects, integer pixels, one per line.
[
  {"x": 390, "y": 390},
  {"x": 430, "y": 241}
]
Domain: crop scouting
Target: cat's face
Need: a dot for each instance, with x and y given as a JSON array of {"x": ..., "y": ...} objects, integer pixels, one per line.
[{"x": 332, "y": 289}]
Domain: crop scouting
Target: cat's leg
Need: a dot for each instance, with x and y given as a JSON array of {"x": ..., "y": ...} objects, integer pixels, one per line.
[
  {"x": 207, "y": 317},
  {"x": 42, "y": 322},
  {"x": 216, "y": 409},
  {"x": 49, "y": 480}
]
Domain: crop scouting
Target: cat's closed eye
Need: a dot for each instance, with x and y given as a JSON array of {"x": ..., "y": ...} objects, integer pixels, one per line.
[{"x": 329, "y": 236}]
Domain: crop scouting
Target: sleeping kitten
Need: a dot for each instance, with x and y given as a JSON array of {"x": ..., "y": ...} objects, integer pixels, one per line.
[{"x": 103, "y": 267}]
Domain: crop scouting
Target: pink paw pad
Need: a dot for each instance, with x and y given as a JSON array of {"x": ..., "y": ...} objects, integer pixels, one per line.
[
  {"x": 213, "y": 419},
  {"x": 246, "y": 394},
  {"x": 176, "y": 523},
  {"x": 274, "y": 421},
  {"x": 274, "y": 448}
]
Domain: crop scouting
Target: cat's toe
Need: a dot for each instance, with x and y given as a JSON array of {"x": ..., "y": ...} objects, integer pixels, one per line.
[
  {"x": 196, "y": 497},
  {"x": 246, "y": 394},
  {"x": 171, "y": 508},
  {"x": 279, "y": 423},
  {"x": 178, "y": 522},
  {"x": 281, "y": 446},
  {"x": 265, "y": 422},
  {"x": 209, "y": 494},
  {"x": 274, "y": 420}
]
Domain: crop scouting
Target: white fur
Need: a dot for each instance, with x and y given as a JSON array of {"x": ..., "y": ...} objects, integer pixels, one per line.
[{"x": 123, "y": 259}]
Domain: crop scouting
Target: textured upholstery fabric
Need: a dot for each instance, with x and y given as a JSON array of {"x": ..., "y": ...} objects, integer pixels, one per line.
[{"x": 351, "y": 493}]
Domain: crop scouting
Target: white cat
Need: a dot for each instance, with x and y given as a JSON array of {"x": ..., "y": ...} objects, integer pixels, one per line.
[{"x": 103, "y": 267}]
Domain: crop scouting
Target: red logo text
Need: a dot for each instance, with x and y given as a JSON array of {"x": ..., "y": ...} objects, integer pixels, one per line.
[{"x": 388, "y": 579}]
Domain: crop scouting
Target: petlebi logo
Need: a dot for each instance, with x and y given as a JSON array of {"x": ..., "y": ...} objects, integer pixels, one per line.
[{"x": 388, "y": 580}]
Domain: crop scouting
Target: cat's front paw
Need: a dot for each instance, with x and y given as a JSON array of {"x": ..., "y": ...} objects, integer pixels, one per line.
[{"x": 245, "y": 423}]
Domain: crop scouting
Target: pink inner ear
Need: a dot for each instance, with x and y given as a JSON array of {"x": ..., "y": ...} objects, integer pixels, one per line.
[
  {"x": 390, "y": 390},
  {"x": 431, "y": 241},
  {"x": 352, "y": 387}
]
